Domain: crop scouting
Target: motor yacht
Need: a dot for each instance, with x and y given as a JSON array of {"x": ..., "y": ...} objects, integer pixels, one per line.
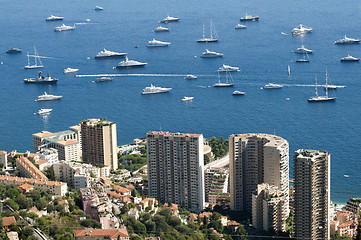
[
  {"x": 157, "y": 43},
  {"x": 349, "y": 58},
  {"x": 70, "y": 70},
  {"x": 104, "y": 79},
  {"x": 41, "y": 79},
  {"x": 210, "y": 54},
  {"x": 44, "y": 111},
  {"x": 161, "y": 29},
  {"x": 240, "y": 26},
  {"x": 109, "y": 54},
  {"x": 98, "y": 8},
  {"x": 301, "y": 29},
  {"x": 64, "y": 27},
  {"x": 54, "y": 18},
  {"x": 302, "y": 50},
  {"x": 228, "y": 68},
  {"x": 249, "y": 18},
  {"x": 169, "y": 19},
  {"x": 347, "y": 40},
  {"x": 14, "y": 50},
  {"x": 272, "y": 86},
  {"x": 187, "y": 99},
  {"x": 190, "y": 77},
  {"x": 153, "y": 90},
  {"x": 238, "y": 93},
  {"x": 47, "y": 97},
  {"x": 130, "y": 63}
]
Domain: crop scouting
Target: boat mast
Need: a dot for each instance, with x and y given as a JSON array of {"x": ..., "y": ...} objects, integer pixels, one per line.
[
  {"x": 28, "y": 59},
  {"x": 326, "y": 85},
  {"x": 316, "y": 86},
  {"x": 36, "y": 63},
  {"x": 219, "y": 78},
  {"x": 210, "y": 25},
  {"x": 203, "y": 31}
]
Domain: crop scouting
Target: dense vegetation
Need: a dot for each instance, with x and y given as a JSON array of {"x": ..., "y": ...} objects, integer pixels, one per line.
[
  {"x": 133, "y": 162},
  {"x": 219, "y": 146}
]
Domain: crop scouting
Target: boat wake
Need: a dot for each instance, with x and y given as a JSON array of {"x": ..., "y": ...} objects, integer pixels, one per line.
[
  {"x": 138, "y": 75},
  {"x": 284, "y": 33}
]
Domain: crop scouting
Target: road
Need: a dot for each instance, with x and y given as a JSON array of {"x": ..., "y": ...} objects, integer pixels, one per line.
[{"x": 224, "y": 161}]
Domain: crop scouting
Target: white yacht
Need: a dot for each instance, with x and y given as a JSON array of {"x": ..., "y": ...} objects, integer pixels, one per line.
[
  {"x": 301, "y": 29},
  {"x": 210, "y": 54},
  {"x": 104, "y": 79},
  {"x": 229, "y": 81},
  {"x": 153, "y": 89},
  {"x": 161, "y": 29},
  {"x": 349, "y": 58},
  {"x": 41, "y": 79},
  {"x": 47, "y": 97},
  {"x": 318, "y": 98},
  {"x": 44, "y": 111},
  {"x": 109, "y": 54},
  {"x": 238, "y": 93},
  {"x": 302, "y": 49},
  {"x": 169, "y": 19},
  {"x": 98, "y": 8},
  {"x": 225, "y": 68},
  {"x": 249, "y": 18},
  {"x": 190, "y": 77},
  {"x": 54, "y": 18},
  {"x": 70, "y": 70},
  {"x": 187, "y": 99},
  {"x": 64, "y": 27},
  {"x": 347, "y": 40},
  {"x": 38, "y": 63},
  {"x": 130, "y": 63},
  {"x": 157, "y": 43},
  {"x": 272, "y": 86},
  {"x": 240, "y": 26},
  {"x": 87, "y": 20},
  {"x": 211, "y": 38}
]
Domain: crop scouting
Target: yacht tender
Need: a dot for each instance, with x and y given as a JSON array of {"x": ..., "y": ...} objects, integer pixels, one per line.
[
  {"x": 98, "y": 8},
  {"x": 54, "y": 18},
  {"x": 70, "y": 70},
  {"x": 272, "y": 86},
  {"x": 190, "y": 77},
  {"x": 240, "y": 26},
  {"x": 14, "y": 50},
  {"x": 157, "y": 43},
  {"x": 109, "y": 54},
  {"x": 238, "y": 93},
  {"x": 153, "y": 89},
  {"x": 302, "y": 49},
  {"x": 104, "y": 79},
  {"x": 347, "y": 40},
  {"x": 210, "y": 54},
  {"x": 47, "y": 97},
  {"x": 64, "y": 27},
  {"x": 169, "y": 19},
  {"x": 130, "y": 63},
  {"x": 44, "y": 111}
]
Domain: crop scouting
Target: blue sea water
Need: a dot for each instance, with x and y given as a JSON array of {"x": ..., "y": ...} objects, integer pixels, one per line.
[{"x": 261, "y": 52}]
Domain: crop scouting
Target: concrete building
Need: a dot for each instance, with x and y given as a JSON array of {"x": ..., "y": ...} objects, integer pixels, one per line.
[
  {"x": 67, "y": 143},
  {"x": 214, "y": 183},
  {"x": 175, "y": 168},
  {"x": 256, "y": 159},
  {"x": 4, "y": 159},
  {"x": 353, "y": 205},
  {"x": 269, "y": 209},
  {"x": 312, "y": 194},
  {"x": 57, "y": 188},
  {"x": 27, "y": 169},
  {"x": 99, "y": 142}
]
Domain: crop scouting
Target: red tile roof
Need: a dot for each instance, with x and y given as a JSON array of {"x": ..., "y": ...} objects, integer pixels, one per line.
[
  {"x": 26, "y": 187},
  {"x": 112, "y": 233},
  {"x": 8, "y": 220}
]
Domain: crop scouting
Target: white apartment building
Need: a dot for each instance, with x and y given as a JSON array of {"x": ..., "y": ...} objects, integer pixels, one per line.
[{"x": 175, "y": 168}]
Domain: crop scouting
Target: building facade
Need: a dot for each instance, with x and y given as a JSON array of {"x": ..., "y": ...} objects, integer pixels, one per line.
[
  {"x": 215, "y": 183},
  {"x": 28, "y": 169},
  {"x": 175, "y": 168},
  {"x": 256, "y": 159},
  {"x": 312, "y": 194},
  {"x": 269, "y": 209},
  {"x": 99, "y": 142}
]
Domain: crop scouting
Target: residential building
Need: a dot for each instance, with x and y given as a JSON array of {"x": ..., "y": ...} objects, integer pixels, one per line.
[
  {"x": 269, "y": 209},
  {"x": 99, "y": 142},
  {"x": 7, "y": 221},
  {"x": 345, "y": 225},
  {"x": 26, "y": 187},
  {"x": 67, "y": 143},
  {"x": 102, "y": 234},
  {"x": 255, "y": 159},
  {"x": 27, "y": 169},
  {"x": 353, "y": 205},
  {"x": 57, "y": 188},
  {"x": 175, "y": 168},
  {"x": 312, "y": 194},
  {"x": 4, "y": 159},
  {"x": 214, "y": 183}
]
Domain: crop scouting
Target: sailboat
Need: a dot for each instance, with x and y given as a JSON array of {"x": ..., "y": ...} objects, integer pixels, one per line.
[
  {"x": 318, "y": 98},
  {"x": 211, "y": 38},
  {"x": 289, "y": 70},
  {"x": 37, "y": 59},
  {"x": 229, "y": 81},
  {"x": 304, "y": 59}
]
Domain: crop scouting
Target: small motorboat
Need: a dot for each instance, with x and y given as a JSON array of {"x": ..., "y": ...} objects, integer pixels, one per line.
[
  {"x": 240, "y": 26},
  {"x": 187, "y": 99},
  {"x": 70, "y": 70},
  {"x": 104, "y": 79},
  {"x": 190, "y": 77},
  {"x": 98, "y": 8},
  {"x": 44, "y": 111},
  {"x": 238, "y": 93}
]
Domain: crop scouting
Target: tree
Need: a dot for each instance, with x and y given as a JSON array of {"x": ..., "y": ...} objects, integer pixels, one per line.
[
  {"x": 140, "y": 228},
  {"x": 12, "y": 193},
  {"x": 50, "y": 208},
  {"x": 11, "y": 203},
  {"x": 24, "y": 202},
  {"x": 358, "y": 232},
  {"x": 49, "y": 173},
  {"x": 241, "y": 233},
  {"x": 134, "y": 236},
  {"x": 27, "y": 232}
]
